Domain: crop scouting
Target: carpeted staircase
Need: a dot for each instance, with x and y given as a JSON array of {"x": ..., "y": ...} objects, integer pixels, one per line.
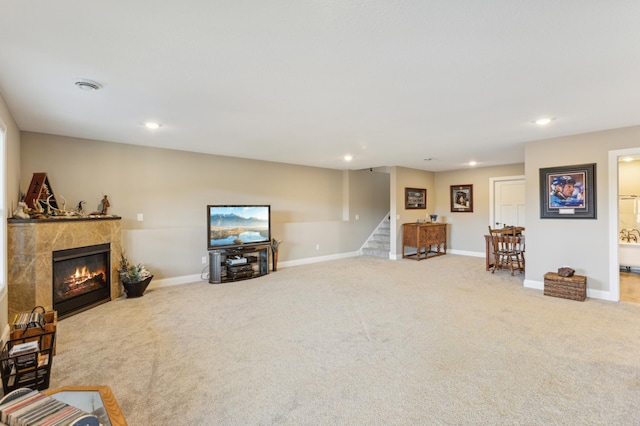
[{"x": 378, "y": 243}]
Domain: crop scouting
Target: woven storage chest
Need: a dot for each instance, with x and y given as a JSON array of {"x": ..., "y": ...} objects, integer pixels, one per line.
[{"x": 574, "y": 287}]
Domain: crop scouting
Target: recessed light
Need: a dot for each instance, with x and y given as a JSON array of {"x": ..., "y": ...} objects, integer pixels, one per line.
[
  {"x": 472, "y": 163},
  {"x": 152, "y": 125},
  {"x": 87, "y": 85},
  {"x": 627, "y": 159},
  {"x": 543, "y": 121},
  {"x": 348, "y": 158}
]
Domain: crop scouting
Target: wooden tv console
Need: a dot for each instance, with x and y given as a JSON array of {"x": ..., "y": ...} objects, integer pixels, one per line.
[{"x": 429, "y": 240}]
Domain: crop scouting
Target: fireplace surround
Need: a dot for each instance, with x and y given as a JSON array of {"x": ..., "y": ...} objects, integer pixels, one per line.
[{"x": 30, "y": 247}]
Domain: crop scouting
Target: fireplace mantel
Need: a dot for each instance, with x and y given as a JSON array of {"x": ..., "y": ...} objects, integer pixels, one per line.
[{"x": 30, "y": 244}]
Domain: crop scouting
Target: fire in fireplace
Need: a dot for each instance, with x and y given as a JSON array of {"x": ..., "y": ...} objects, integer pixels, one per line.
[{"x": 81, "y": 278}]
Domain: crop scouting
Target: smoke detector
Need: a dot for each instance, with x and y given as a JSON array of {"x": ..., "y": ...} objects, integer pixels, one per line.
[{"x": 88, "y": 85}]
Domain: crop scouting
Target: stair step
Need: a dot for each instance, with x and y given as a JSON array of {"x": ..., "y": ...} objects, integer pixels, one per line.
[{"x": 376, "y": 252}]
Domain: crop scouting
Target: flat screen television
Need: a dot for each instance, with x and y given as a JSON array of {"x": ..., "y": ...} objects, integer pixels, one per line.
[{"x": 239, "y": 225}]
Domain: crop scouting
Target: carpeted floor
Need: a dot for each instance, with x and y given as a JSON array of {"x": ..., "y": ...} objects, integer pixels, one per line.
[{"x": 360, "y": 341}]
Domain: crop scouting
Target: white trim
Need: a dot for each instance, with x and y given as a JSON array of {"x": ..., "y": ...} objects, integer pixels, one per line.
[
  {"x": 592, "y": 294},
  {"x": 310, "y": 260},
  {"x": 466, "y": 253},
  {"x": 492, "y": 182},
  {"x": 190, "y": 279},
  {"x": 614, "y": 266},
  {"x": 168, "y": 282},
  {"x": 537, "y": 285}
]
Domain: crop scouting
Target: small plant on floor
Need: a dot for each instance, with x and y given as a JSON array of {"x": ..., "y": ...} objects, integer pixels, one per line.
[{"x": 130, "y": 273}]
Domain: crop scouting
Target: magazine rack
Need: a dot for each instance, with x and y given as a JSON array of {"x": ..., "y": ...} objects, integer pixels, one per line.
[{"x": 31, "y": 369}]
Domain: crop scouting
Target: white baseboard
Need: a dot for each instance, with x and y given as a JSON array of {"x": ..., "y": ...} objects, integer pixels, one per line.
[
  {"x": 538, "y": 285},
  {"x": 592, "y": 294},
  {"x": 167, "y": 282},
  {"x": 310, "y": 260},
  {"x": 466, "y": 253},
  {"x": 188, "y": 279}
]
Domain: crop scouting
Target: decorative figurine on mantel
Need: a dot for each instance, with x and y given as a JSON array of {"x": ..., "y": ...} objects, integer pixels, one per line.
[
  {"x": 104, "y": 205},
  {"x": 22, "y": 211}
]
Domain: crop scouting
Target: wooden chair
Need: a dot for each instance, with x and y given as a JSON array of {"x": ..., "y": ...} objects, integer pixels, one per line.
[{"x": 508, "y": 249}]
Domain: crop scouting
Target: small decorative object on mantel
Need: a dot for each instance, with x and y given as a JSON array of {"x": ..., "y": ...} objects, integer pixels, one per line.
[
  {"x": 274, "y": 253},
  {"x": 566, "y": 272},
  {"x": 40, "y": 194},
  {"x": 22, "y": 211},
  {"x": 134, "y": 278}
]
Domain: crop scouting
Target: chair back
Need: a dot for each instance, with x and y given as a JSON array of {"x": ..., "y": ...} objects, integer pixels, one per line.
[{"x": 498, "y": 241}]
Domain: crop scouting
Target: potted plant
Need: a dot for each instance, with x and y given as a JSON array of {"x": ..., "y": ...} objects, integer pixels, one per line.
[
  {"x": 134, "y": 278},
  {"x": 274, "y": 253}
]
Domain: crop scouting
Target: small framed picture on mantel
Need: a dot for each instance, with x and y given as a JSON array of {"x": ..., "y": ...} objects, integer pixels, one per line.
[
  {"x": 415, "y": 198},
  {"x": 461, "y": 198}
]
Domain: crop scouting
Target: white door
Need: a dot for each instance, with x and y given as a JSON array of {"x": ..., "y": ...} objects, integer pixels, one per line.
[{"x": 508, "y": 201}]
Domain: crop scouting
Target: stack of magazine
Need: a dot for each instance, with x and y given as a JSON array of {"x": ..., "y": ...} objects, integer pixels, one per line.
[
  {"x": 28, "y": 320},
  {"x": 27, "y": 407}
]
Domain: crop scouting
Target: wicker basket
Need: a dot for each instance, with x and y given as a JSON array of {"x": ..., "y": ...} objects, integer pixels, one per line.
[{"x": 574, "y": 287}]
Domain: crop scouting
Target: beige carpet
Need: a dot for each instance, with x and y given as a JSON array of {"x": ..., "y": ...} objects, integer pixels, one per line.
[{"x": 360, "y": 341}]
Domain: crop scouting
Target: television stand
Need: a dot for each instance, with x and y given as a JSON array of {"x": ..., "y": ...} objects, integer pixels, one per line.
[{"x": 238, "y": 263}]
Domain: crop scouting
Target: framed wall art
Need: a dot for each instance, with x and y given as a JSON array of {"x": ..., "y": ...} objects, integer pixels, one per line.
[
  {"x": 568, "y": 192},
  {"x": 461, "y": 198},
  {"x": 415, "y": 198}
]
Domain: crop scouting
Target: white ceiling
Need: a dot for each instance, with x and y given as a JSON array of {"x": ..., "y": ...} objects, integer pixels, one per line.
[{"x": 306, "y": 82}]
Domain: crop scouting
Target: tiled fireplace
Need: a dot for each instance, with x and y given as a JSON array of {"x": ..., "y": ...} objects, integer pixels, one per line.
[{"x": 36, "y": 246}]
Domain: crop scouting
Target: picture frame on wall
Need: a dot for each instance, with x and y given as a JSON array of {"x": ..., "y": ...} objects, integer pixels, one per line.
[
  {"x": 568, "y": 192},
  {"x": 461, "y": 198},
  {"x": 415, "y": 198}
]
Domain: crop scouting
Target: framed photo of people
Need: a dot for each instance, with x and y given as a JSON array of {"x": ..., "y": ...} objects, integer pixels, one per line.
[
  {"x": 568, "y": 192},
  {"x": 415, "y": 198},
  {"x": 461, "y": 198}
]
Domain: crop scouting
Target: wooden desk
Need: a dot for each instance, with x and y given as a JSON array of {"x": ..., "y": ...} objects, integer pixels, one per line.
[
  {"x": 424, "y": 237},
  {"x": 489, "y": 250},
  {"x": 86, "y": 398}
]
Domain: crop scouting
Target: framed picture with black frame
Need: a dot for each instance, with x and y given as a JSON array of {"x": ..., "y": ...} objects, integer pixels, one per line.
[
  {"x": 568, "y": 192},
  {"x": 415, "y": 198},
  {"x": 461, "y": 198}
]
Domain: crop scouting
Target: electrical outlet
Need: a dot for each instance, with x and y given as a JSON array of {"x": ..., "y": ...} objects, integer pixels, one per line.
[
  {"x": 317, "y": 246},
  {"x": 140, "y": 217},
  {"x": 357, "y": 216},
  {"x": 204, "y": 260}
]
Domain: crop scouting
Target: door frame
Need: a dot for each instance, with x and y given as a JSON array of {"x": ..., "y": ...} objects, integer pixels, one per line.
[
  {"x": 492, "y": 183},
  {"x": 614, "y": 262}
]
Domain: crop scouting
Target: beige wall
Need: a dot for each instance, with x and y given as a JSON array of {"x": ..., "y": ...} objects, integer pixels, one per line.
[
  {"x": 171, "y": 189},
  {"x": 402, "y": 178},
  {"x": 10, "y": 193},
  {"x": 466, "y": 230},
  {"x": 579, "y": 243}
]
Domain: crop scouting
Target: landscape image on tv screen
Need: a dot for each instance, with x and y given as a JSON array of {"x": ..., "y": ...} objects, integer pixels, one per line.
[{"x": 238, "y": 225}]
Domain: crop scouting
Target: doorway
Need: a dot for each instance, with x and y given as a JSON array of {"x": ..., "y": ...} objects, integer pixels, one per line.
[{"x": 616, "y": 276}]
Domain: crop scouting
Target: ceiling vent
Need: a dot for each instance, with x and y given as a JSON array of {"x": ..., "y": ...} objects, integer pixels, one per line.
[{"x": 88, "y": 85}]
